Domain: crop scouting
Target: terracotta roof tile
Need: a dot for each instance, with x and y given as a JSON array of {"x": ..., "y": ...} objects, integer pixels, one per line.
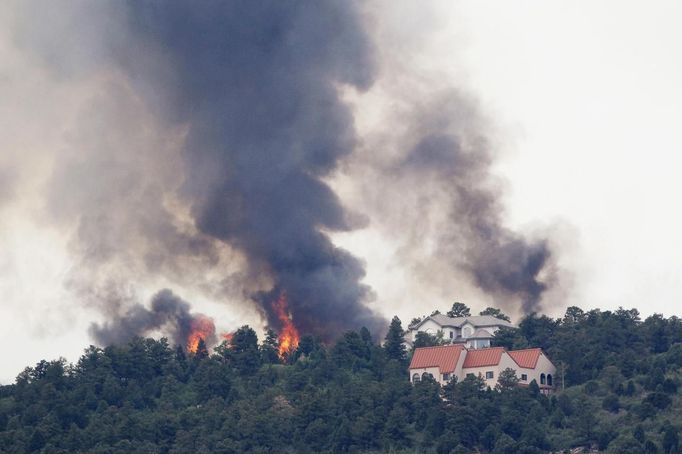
[
  {"x": 444, "y": 357},
  {"x": 527, "y": 358},
  {"x": 483, "y": 357}
]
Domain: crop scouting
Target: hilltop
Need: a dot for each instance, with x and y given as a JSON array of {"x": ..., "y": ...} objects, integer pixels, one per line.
[{"x": 622, "y": 395}]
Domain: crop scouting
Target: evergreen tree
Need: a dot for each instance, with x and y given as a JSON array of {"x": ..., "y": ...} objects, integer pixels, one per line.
[
  {"x": 346, "y": 397},
  {"x": 415, "y": 321},
  {"x": 507, "y": 380},
  {"x": 459, "y": 310},
  {"x": 202, "y": 351},
  {"x": 424, "y": 339},
  {"x": 495, "y": 313},
  {"x": 245, "y": 355},
  {"x": 393, "y": 345},
  {"x": 269, "y": 349}
]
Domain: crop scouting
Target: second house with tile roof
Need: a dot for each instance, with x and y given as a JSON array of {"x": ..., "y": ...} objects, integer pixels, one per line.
[{"x": 446, "y": 362}]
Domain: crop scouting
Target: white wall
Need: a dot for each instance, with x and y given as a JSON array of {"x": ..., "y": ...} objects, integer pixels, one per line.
[
  {"x": 430, "y": 327},
  {"x": 505, "y": 362},
  {"x": 431, "y": 370},
  {"x": 471, "y": 328},
  {"x": 544, "y": 366}
]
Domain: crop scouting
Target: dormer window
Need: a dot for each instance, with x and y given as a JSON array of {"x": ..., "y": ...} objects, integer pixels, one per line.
[{"x": 466, "y": 331}]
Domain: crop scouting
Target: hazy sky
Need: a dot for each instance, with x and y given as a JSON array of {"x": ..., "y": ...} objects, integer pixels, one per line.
[{"x": 581, "y": 104}]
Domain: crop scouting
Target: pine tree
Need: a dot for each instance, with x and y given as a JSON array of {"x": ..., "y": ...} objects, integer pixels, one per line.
[
  {"x": 459, "y": 310},
  {"x": 393, "y": 345},
  {"x": 495, "y": 313},
  {"x": 202, "y": 351},
  {"x": 269, "y": 348}
]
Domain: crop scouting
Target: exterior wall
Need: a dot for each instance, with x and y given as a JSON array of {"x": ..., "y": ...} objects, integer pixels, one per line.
[
  {"x": 434, "y": 371},
  {"x": 544, "y": 366},
  {"x": 458, "y": 367},
  {"x": 505, "y": 362},
  {"x": 456, "y": 332},
  {"x": 430, "y": 327},
  {"x": 468, "y": 327}
]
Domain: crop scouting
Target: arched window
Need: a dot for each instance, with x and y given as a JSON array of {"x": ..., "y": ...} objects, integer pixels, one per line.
[
  {"x": 416, "y": 378},
  {"x": 542, "y": 379},
  {"x": 426, "y": 375},
  {"x": 549, "y": 379}
]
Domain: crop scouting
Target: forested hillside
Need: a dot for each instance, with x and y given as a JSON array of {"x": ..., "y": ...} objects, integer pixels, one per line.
[{"x": 622, "y": 380}]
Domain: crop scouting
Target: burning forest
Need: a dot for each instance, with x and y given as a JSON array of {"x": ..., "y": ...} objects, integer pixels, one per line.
[
  {"x": 288, "y": 334},
  {"x": 233, "y": 196}
]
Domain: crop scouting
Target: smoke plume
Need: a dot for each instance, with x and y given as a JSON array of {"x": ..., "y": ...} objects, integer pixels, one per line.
[
  {"x": 167, "y": 313},
  {"x": 196, "y": 144},
  {"x": 502, "y": 262},
  {"x": 257, "y": 87},
  {"x": 432, "y": 191}
]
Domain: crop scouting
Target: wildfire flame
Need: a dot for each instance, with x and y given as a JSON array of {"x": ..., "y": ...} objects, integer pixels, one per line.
[
  {"x": 288, "y": 335},
  {"x": 202, "y": 327}
]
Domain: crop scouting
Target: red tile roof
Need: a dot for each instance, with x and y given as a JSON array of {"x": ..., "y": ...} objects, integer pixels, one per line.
[
  {"x": 526, "y": 358},
  {"x": 444, "y": 357},
  {"x": 483, "y": 357}
]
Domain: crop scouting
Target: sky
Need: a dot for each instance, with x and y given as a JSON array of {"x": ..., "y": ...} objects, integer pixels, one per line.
[{"x": 578, "y": 108}]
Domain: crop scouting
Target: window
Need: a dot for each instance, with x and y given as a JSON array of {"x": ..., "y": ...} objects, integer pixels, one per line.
[
  {"x": 524, "y": 377},
  {"x": 489, "y": 375},
  {"x": 466, "y": 332},
  {"x": 549, "y": 379},
  {"x": 542, "y": 379},
  {"x": 426, "y": 375},
  {"x": 416, "y": 378},
  {"x": 481, "y": 344},
  {"x": 452, "y": 334},
  {"x": 446, "y": 377}
]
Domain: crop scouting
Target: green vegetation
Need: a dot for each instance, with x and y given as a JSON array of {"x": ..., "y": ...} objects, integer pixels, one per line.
[
  {"x": 622, "y": 395},
  {"x": 459, "y": 310}
]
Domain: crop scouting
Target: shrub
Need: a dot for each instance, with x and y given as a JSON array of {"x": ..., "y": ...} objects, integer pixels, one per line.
[{"x": 611, "y": 403}]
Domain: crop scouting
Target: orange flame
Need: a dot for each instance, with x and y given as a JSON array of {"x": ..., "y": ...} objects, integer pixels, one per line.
[
  {"x": 288, "y": 336},
  {"x": 201, "y": 328},
  {"x": 227, "y": 337}
]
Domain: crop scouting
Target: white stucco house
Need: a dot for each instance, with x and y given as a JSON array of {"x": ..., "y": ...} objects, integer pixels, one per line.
[
  {"x": 446, "y": 362},
  {"x": 475, "y": 331}
]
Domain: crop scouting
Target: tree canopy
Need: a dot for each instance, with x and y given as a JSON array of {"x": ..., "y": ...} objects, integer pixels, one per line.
[
  {"x": 622, "y": 394},
  {"x": 459, "y": 310},
  {"x": 495, "y": 313}
]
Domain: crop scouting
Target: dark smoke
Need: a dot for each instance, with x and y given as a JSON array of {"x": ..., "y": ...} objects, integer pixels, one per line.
[
  {"x": 168, "y": 313},
  {"x": 501, "y": 262},
  {"x": 257, "y": 84},
  {"x": 250, "y": 93}
]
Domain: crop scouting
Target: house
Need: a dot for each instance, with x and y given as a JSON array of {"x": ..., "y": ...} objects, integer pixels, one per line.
[
  {"x": 445, "y": 362},
  {"x": 474, "y": 331}
]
